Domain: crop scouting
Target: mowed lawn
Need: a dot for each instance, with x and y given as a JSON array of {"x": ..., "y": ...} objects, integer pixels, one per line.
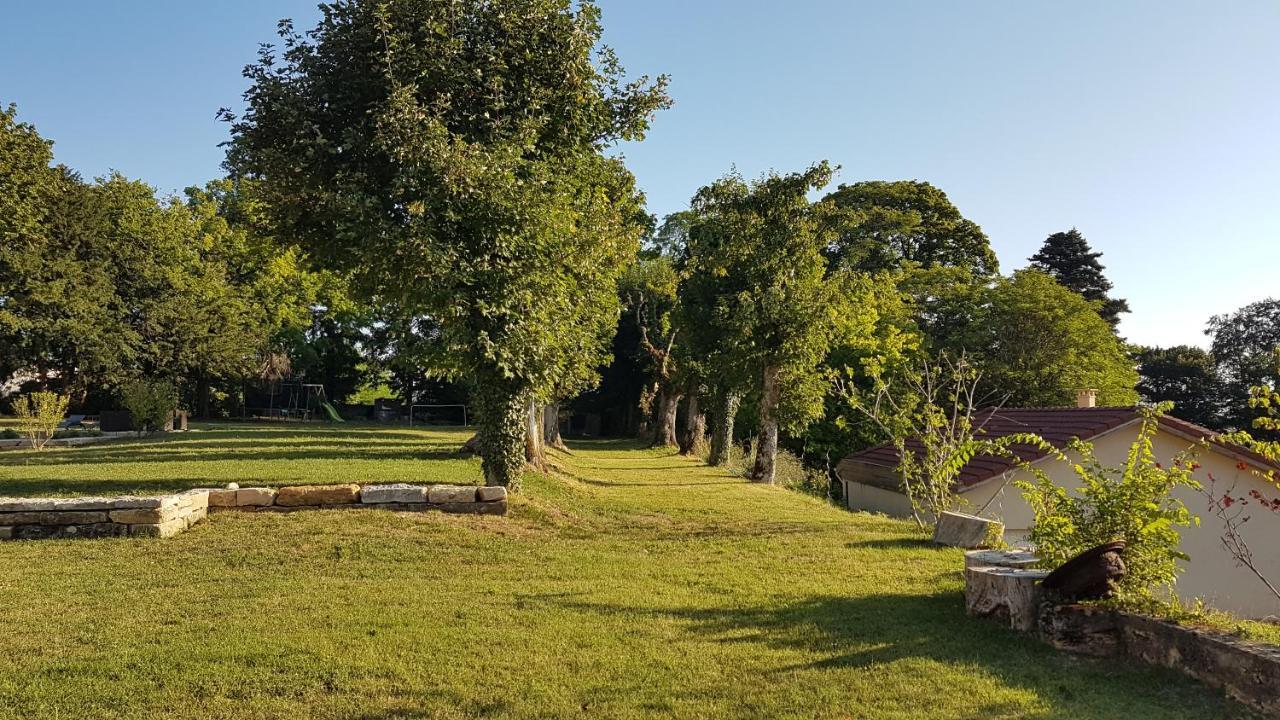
[
  {"x": 250, "y": 454},
  {"x": 632, "y": 583}
]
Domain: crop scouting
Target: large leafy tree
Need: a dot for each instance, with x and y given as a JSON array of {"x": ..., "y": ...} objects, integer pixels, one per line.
[
  {"x": 451, "y": 157},
  {"x": 883, "y": 225},
  {"x": 1187, "y": 376},
  {"x": 757, "y": 270},
  {"x": 1040, "y": 342},
  {"x": 1244, "y": 343},
  {"x": 1067, "y": 258}
]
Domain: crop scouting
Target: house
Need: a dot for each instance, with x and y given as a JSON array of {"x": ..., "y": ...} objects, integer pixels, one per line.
[{"x": 986, "y": 488}]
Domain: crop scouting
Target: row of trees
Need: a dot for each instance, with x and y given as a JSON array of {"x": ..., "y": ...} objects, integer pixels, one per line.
[
  {"x": 103, "y": 282},
  {"x": 429, "y": 190},
  {"x": 757, "y": 294}
]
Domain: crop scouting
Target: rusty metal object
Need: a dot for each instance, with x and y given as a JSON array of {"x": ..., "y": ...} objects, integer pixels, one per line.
[{"x": 1091, "y": 575}]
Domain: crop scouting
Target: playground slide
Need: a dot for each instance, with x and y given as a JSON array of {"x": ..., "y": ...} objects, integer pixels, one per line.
[{"x": 331, "y": 412}]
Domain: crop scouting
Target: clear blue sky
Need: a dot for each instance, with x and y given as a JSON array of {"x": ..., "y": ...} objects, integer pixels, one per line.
[{"x": 1149, "y": 125}]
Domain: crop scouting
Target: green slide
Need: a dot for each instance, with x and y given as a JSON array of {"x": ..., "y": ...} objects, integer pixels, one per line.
[{"x": 331, "y": 412}]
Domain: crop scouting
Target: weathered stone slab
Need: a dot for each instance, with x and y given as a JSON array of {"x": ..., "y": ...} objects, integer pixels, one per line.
[
  {"x": 1000, "y": 558},
  {"x": 53, "y": 518},
  {"x": 1083, "y": 629},
  {"x": 396, "y": 493},
  {"x": 441, "y": 494},
  {"x": 299, "y": 495},
  {"x": 147, "y": 516},
  {"x": 6, "y": 532},
  {"x": 496, "y": 507},
  {"x": 255, "y": 497},
  {"x": 76, "y": 504},
  {"x": 491, "y": 493},
  {"x": 223, "y": 498},
  {"x": 56, "y": 532},
  {"x": 160, "y": 530},
  {"x": 1011, "y": 594},
  {"x": 967, "y": 531},
  {"x": 195, "y": 516},
  {"x": 198, "y": 498}
]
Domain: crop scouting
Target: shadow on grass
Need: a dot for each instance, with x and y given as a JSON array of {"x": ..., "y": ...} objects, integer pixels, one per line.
[
  {"x": 896, "y": 544},
  {"x": 869, "y": 632}
]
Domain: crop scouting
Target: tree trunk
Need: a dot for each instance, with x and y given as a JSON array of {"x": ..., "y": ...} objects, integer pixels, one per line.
[
  {"x": 551, "y": 427},
  {"x": 695, "y": 431},
  {"x": 722, "y": 433},
  {"x": 767, "y": 442},
  {"x": 534, "y": 450},
  {"x": 668, "y": 406},
  {"x": 501, "y": 414}
]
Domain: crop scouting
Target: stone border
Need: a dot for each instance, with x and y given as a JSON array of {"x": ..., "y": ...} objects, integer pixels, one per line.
[
  {"x": 1001, "y": 585},
  {"x": 168, "y": 515}
]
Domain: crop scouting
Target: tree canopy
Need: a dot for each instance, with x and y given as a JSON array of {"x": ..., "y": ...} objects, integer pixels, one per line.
[
  {"x": 1041, "y": 342},
  {"x": 883, "y": 225},
  {"x": 450, "y": 158},
  {"x": 1244, "y": 343},
  {"x": 1187, "y": 376}
]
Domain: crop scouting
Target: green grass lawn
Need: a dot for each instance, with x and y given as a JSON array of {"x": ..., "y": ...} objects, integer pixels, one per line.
[
  {"x": 250, "y": 454},
  {"x": 632, "y": 584}
]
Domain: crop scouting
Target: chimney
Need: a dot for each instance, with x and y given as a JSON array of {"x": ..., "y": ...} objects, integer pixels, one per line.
[{"x": 1086, "y": 398}]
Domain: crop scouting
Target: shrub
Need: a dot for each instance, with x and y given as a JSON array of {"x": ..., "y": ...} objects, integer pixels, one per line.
[
  {"x": 150, "y": 402},
  {"x": 39, "y": 415},
  {"x": 1133, "y": 503},
  {"x": 9, "y": 434}
]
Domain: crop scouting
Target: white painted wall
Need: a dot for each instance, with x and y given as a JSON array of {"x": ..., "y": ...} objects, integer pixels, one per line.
[{"x": 1211, "y": 575}]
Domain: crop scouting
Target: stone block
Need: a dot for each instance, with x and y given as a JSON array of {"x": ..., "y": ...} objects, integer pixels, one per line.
[
  {"x": 495, "y": 507},
  {"x": 967, "y": 531},
  {"x": 1010, "y": 594},
  {"x": 397, "y": 493},
  {"x": 441, "y": 494},
  {"x": 146, "y": 516},
  {"x": 1000, "y": 558},
  {"x": 76, "y": 504},
  {"x": 66, "y": 532},
  {"x": 53, "y": 518},
  {"x": 160, "y": 530},
  {"x": 308, "y": 495},
  {"x": 491, "y": 493},
  {"x": 223, "y": 498},
  {"x": 198, "y": 498},
  {"x": 255, "y": 497},
  {"x": 6, "y": 532},
  {"x": 195, "y": 516}
]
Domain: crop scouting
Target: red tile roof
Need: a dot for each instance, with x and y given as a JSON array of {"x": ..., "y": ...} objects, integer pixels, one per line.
[{"x": 1056, "y": 425}]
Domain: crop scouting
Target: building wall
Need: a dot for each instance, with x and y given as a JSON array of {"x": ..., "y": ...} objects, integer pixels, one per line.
[{"x": 1211, "y": 574}]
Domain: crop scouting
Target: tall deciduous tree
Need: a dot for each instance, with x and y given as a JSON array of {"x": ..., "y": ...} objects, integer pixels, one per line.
[
  {"x": 451, "y": 157},
  {"x": 756, "y": 263},
  {"x": 1244, "y": 343},
  {"x": 1041, "y": 342},
  {"x": 1067, "y": 258},
  {"x": 884, "y": 225},
  {"x": 1187, "y": 376}
]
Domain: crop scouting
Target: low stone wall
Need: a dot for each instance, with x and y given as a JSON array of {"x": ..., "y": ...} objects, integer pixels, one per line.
[
  {"x": 399, "y": 497},
  {"x": 1247, "y": 672},
  {"x": 997, "y": 584},
  {"x": 41, "y": 518},
  {"x": 168, "y": 515}
]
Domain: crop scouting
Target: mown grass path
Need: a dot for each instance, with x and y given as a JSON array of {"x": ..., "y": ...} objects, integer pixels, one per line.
[{"x": 633, "y": 583}]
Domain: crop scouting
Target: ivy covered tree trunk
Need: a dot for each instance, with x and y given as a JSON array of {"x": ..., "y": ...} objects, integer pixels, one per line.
[
  {"x": 551, "y": 427},
  {"x": 668, "y": 407},
  {"x": 722, "y": 432},
  {"x": 534, "y": 450},
  {"x": 767, "y": 444},
  {"x": 691, "y": 443},
  {"x": 501, "y": 414}
]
